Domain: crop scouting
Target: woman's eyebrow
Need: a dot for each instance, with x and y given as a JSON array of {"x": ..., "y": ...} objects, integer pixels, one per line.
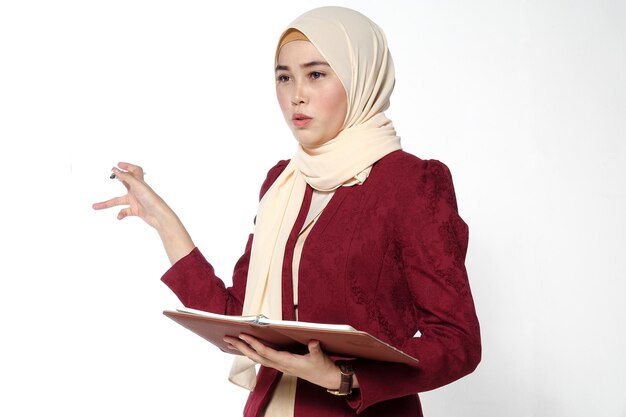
[
  {"x": 315, "y": 64},
  {"x": 305, "y": 65}
]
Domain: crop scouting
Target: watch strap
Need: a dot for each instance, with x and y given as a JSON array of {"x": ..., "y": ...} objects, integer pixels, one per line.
[{"x": 345, "y": 387}]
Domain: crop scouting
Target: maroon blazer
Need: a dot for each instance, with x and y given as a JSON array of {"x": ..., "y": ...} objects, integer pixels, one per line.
[{"x": 386, "y": 257}]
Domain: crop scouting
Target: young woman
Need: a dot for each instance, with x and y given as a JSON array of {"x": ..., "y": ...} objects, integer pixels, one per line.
[{"x": 350, "y": 230}]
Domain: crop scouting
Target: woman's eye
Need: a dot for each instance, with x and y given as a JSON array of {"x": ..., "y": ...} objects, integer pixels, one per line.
[
  {"x": 282, "y": 78},
  {"x": 316, "y": 75}
]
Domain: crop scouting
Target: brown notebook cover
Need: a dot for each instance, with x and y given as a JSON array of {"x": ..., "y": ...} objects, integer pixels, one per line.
[{"x": 293, "y": 336}]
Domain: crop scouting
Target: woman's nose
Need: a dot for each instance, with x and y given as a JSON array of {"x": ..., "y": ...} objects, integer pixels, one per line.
[{"x": 299, "y": 95}]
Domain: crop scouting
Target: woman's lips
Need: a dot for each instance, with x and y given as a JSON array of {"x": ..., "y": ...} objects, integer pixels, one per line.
[{"x": 300, "y": 120}]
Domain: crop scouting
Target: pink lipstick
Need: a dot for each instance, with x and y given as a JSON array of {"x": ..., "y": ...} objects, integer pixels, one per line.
[{"x": 300, "y": 120}]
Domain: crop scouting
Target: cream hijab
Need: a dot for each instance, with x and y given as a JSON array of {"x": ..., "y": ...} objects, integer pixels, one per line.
[{"x": 356, "y": 49}]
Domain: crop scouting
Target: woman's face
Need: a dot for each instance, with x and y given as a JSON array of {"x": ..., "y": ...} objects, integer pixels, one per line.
[{"x": 311, "y": 96}]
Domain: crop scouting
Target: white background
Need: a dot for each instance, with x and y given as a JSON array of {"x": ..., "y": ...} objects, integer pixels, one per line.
[{"x": 525, "y": 101}]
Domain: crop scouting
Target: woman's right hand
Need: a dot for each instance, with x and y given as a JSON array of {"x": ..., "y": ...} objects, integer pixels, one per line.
[
  {"x": 143, "y": 202},
  {"x": 140, "y": 200}
]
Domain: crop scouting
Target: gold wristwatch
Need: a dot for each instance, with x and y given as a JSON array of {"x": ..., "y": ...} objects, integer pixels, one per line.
[{"x": 345, "y": 388}]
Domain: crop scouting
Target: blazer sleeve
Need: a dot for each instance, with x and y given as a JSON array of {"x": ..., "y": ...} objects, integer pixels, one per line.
[
  {"x": 432, "y": 240},
  {"x": 195, "y": 283}
]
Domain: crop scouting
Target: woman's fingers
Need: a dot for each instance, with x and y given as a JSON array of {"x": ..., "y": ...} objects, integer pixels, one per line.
[
  {"x": 124, "y": 170},
  {"x": 113, "y": 202},
  {"x": 140, "y": 200},
  {"x": 124, "y": 176},
  {"x": 135, "y": 170},
  {"x": 257, "y": 351},
  {"x": 244, "y": 347},
  {"x": 125, "y": 212},
  {"x": 315, "y": 349}
]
